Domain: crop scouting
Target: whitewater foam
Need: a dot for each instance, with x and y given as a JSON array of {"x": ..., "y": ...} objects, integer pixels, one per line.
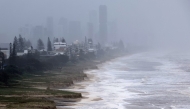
[{"x": 144, "y": 80}]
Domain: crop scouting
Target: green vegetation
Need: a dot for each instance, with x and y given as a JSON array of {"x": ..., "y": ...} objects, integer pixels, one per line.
[
  {"x": 26, "y": 93},
  {"x": 27, "y": 103},
  {"x": 31, "y": 81},
  {"x": 49, "y": 47},
  {"x": 16, "y": 91},
  {"x": 18, "y": 98},
  {"x": 36, "y": 89},
  {"x": 40, "y": 45}
]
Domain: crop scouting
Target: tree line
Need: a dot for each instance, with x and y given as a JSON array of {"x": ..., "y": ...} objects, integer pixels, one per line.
[{"x": 15, "y": 66}]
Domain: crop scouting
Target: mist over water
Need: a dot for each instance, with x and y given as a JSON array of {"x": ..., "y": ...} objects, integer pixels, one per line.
[
  {"x": 152, "y": 80},
  {"x": 149, "y": 80}
]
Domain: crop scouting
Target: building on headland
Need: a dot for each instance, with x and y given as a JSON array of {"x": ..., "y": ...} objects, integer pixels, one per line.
[{"x": 103, "y": 24}]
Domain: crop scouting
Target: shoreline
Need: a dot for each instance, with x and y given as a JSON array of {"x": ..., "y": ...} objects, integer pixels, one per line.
[
  {"x": 45, "y": 87},
  {"x": 82, "y": 84}
]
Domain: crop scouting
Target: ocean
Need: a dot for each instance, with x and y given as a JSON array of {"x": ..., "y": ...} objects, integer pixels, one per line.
[{"x": 148, "y": 80}]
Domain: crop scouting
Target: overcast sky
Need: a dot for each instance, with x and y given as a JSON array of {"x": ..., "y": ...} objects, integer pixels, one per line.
[{"x": 139, "y": 21}]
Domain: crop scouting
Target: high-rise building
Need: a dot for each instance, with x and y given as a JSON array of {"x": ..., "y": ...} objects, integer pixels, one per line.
[
  {"x": 50, "y": 29},
  {"x": 64, "y": 27},
  {"x": 38, "y": 33},
  {"x": 75, "y": 32},
  {"x": 103, "y": 24},
  {"x": 90, "y": 30},
  {"x": 25, "y": 31}
]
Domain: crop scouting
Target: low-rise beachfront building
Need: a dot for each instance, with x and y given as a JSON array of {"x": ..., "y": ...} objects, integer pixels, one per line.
[
  {"x": 24, "y": 52},
  {"x": 5, "y": 48},
  {"x": 60, "y": 48},
  {"x": 91, "y": 47},
  {"x": 2, "y": 60}
]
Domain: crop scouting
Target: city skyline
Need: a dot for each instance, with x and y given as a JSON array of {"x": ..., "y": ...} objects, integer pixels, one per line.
[{"x": 64, "y": 28}]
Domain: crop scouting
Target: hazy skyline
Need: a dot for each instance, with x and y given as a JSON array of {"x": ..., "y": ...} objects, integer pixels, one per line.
[{"x": 143, "y": 22}]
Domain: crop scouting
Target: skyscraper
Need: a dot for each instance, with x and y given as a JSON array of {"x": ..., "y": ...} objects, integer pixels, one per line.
[
  {"x": 75, "y": 32},
  {"x": 38, "y": 32},
  {"x": 90, "y": 30},
  {"x": 25, "y": 31},
  {"x": 50, "y": 30},
  {"x": 103, "y": 24},
  {"x": 64, "y": 27}
]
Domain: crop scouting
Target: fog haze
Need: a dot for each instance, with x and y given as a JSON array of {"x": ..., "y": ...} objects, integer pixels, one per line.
[{"x": 139, "y": 22}]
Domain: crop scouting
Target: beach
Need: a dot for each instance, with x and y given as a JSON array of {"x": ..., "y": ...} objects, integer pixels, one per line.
[
  {"x": 148, "y": 80},
  {"x": 40, "y": 90}
]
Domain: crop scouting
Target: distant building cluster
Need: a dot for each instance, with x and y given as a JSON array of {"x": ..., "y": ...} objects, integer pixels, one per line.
[
  {"x": 71, "y": 38},
  {"x": 62, "y": 48},
  {"x": 98, "y": 28},
  {"x": 59, "y": 47}
]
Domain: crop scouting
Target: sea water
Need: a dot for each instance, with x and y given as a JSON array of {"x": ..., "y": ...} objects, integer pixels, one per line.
[{"x": 148, "y": 80}]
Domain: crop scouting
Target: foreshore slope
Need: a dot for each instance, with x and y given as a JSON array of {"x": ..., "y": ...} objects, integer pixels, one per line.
[{"x": 41, "y": 91}]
